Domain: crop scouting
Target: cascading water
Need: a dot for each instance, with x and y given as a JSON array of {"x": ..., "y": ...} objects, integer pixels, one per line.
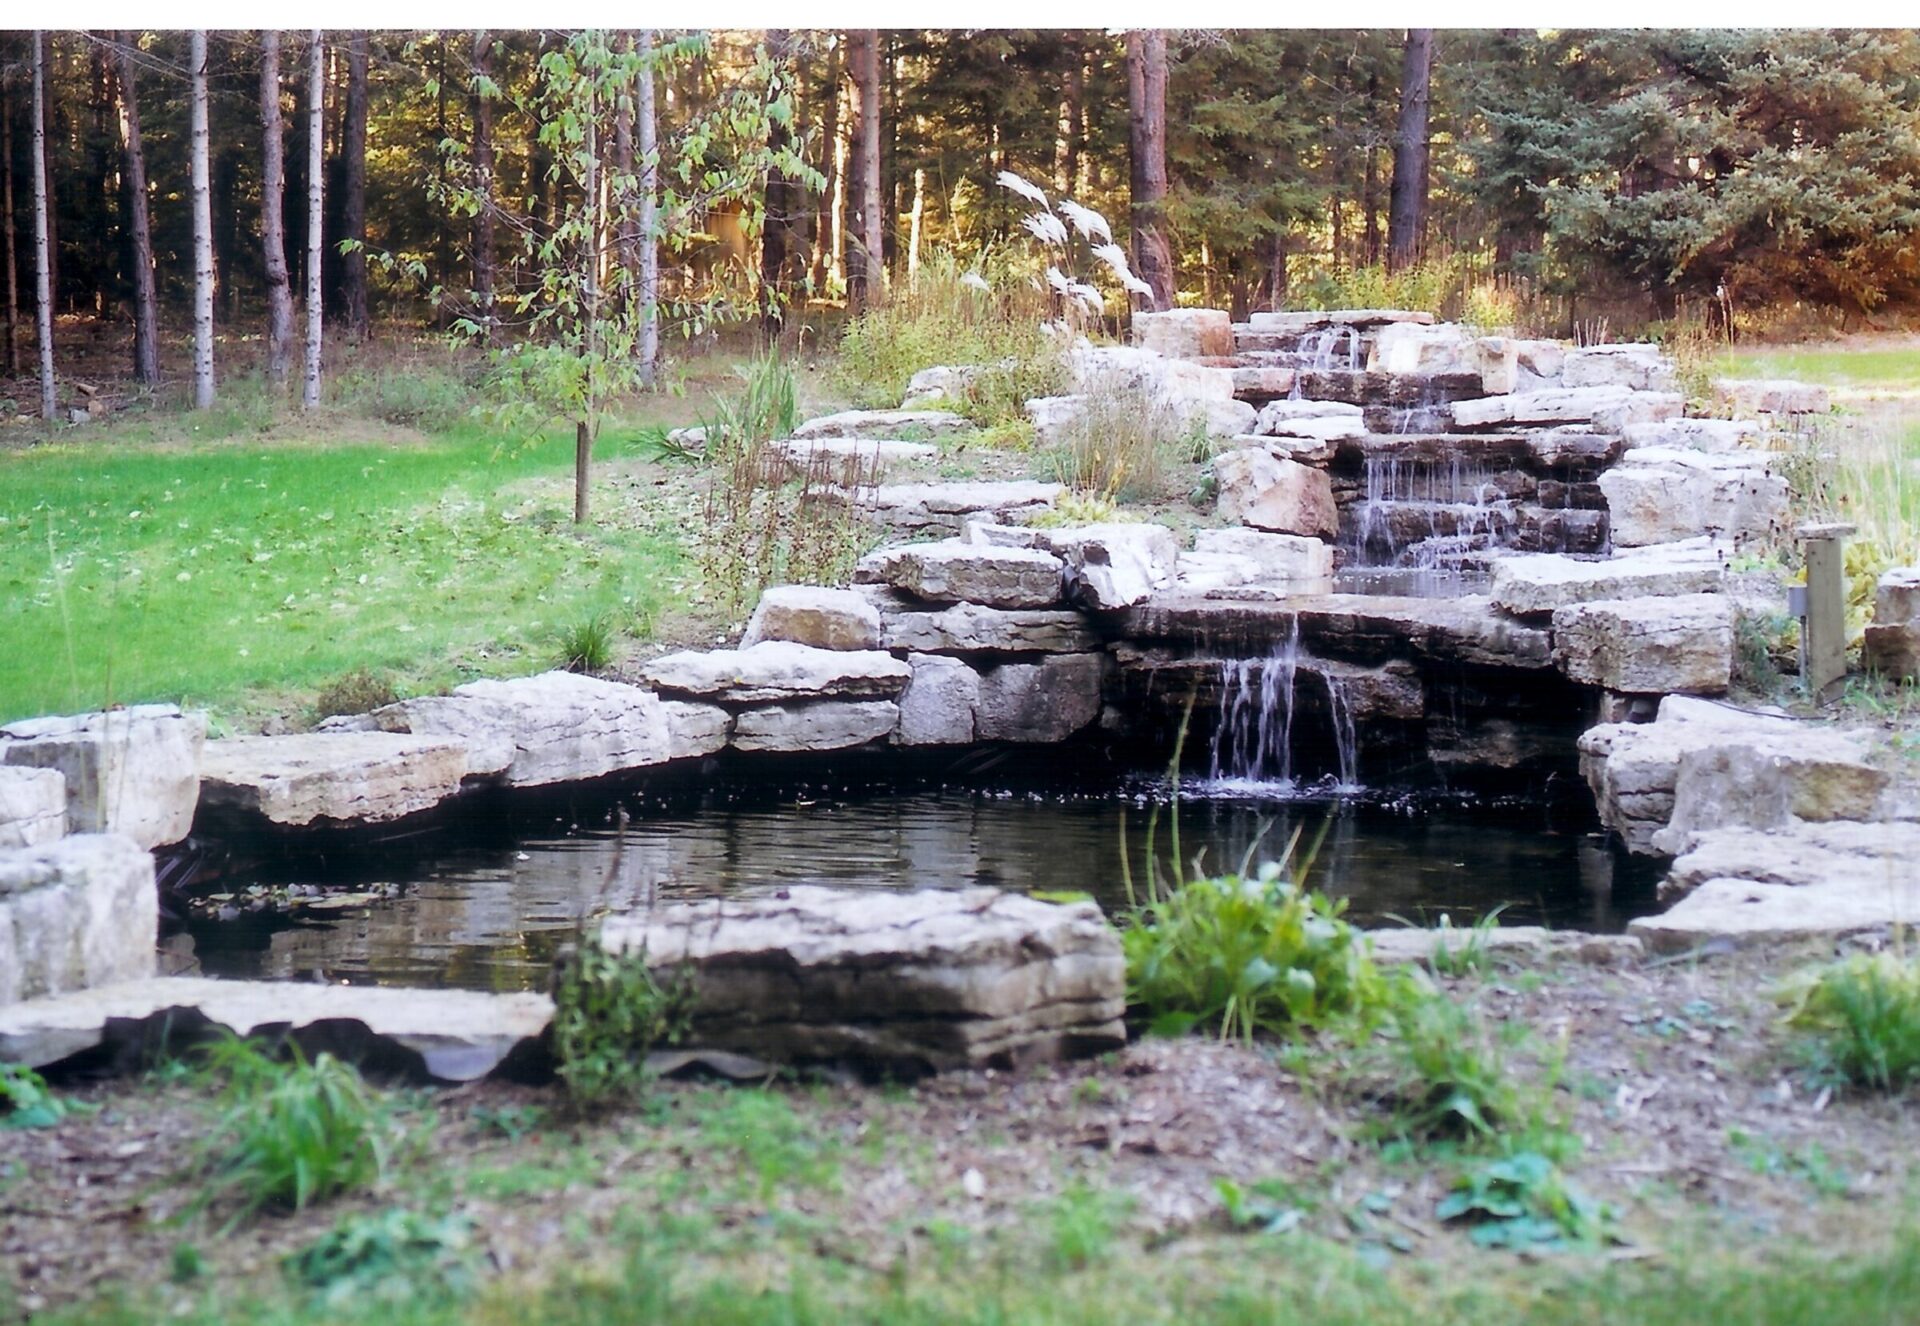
[
  {"x": 1345, "y": 742},
  {"x": 1454, "y": 507},
  {"x": 1254, "y": 741}
]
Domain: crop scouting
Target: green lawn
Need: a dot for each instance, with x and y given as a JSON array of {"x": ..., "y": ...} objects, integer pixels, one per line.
[
  {"x": 1833, "y": 366},
  {"x": 207, "y": 571}
]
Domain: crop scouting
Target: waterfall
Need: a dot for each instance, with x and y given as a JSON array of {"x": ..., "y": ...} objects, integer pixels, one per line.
[
  {"x": 1254, "y": 740},
  {"x": 1318, "y": 349},
  {"x": 1458, "y": 502},
  {"x": 1345, "y": 742}
]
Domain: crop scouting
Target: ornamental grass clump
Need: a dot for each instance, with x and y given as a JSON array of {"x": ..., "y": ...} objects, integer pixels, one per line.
[{"x": 1860, "y": 1018}]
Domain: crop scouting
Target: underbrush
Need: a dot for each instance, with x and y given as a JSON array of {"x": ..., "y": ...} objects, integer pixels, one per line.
[
  {"x": 1121, "y": 445},
  {"x": 1859, "y": 1020},
  {"x": 952, "y": 315},
  {"x": 609, "y": 1012}
]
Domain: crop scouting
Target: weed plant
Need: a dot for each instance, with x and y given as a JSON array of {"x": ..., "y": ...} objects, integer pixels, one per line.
[
  {"x": 1523, "y": 1201},
  {"x": 1464, "y": 951},
  {"x": 392, "y": 1256},
  {"x": 1118, "y": 447},
  {"x": 1860, "y": 1020},
  {"x": 587, "y": 646},
  {"x": 610, "y": 1011},
  {"x": 1445, "y": 1075},
  {"x": 292, "y": 1133},
  {"x": 357, "y": 692},
  {"x": 26, "y": 1101}
]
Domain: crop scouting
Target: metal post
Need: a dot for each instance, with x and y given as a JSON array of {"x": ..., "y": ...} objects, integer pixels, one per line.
[{"x": 1823, "y": 626}]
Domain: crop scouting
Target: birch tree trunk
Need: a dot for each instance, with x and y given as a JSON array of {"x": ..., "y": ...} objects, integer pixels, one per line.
[
  {"x": 273, "y": 224},
  {"x": 353, "y": 212},
  {"x": 483, "y": 183},
  {"x": 316, "y": 166},
  {"x": 1406, "y": 213},
  {"x": 1147, "y": 155},
  {"x": 863, "y": 251},
  {"x": 42, "y": 243},
  {"x": 646, "y": 218},
  {"x": 13, "y": 257},
  {"x": 202, "y": 227},
  {"x": 146, "y": 320}
]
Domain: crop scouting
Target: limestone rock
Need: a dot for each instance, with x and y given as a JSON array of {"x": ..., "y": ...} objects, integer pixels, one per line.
[
  {"x": 132, "y": 771},
  {"x": 74, "y": 913},
  {"x": 881, "y": 424},
  {"x": 1805, "y": 855},
  {"x": 330, "y": 777},
  {"x": 941, "y": 383},
  {"x": 1696, "y": 434},
  {"x": 1261, "y": 381},
  {"x": 1241, "y": 558},
  {"x": 938, "y": 706},
  {"x": 1682, "y": 643},
  {"x": 900, "y": 982},
  {"x": 1113, "y": 565},
  {"x": 694, "y": 730},
  {"x": 1411, "y": 347},
  {"x": 1892, "y": 645},
  {"x": 1259, "y": 489},
  {"x": 1578, "y": 445},
  {"x": 1045, "y": 701},
  {"x": 1527, "y": 943},
  {"x": 441, "y": 1035},
  {"x": 1180, "y": 383},
  {"x": 1051, "y": 416},
  {"x": 1223, "y": 418},
  {"x": 1642, "y": 367},
  {"x": 918, "y": 506},
  {"x": 811, "y": 615},
  {"x": 954, "y": 572},
  {"x": 1498, "y": 359},
  {"x": 1283, "y": 417},
  {"x": 1661, "y": 495},
  {"x": 851, "y": 460},
  {"x": 33, "y": 806},
  {"x": 968, "y": 628},
  {"x": 1744, "y": 396},
  {"x": 1302, "y": 320},
  {"x": 1542, "y": 362},
  {"x": 1185, "y": 333},
  {"x": 1327, "y": 428},
  {"x": 1526, "y": 584},
  {"x": 816, "y": 725},
  {"x": 1615, "y": 407},
  {"x": 1765, "y": 779},
  {"x": 778, "y": 670}
]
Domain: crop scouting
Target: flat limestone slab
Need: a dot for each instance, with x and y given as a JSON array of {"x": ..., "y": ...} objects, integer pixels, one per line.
[
  {"x": 1528, "y": 584},
  {"x": 881, "y": 424},
  {"x": 927, "y": 980},
  {"x": 342, "y": 777},
  {"x": 129, "y": 771},
  {"x": 446, "y": 1035},
  {"x": 1409, "y": 944},
  {"x": 776, "y": 670}
]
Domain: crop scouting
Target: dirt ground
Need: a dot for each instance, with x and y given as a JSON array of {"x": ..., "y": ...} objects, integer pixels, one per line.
[{"x": 1686, "y": 1094}]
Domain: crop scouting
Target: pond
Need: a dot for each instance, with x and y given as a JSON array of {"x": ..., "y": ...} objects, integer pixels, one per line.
[{"x": 483, "y": 901}]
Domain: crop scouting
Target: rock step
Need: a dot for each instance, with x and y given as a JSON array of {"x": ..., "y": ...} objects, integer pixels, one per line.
[
  {"x": 881, "y": 424},
  {"x": 437, "y": 1035}
]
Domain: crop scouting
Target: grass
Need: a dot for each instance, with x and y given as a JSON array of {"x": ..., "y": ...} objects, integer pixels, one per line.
[
  {"x": 1860, "y": 1019},
  {"x": 1895, "y": 367},
  {"x": 204, "y": 571}
]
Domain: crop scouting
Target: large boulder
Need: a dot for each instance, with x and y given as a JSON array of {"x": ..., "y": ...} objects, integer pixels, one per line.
[
  {"x": 1185, "y": 333},
  {"x": 1696, "y": 434},
  {"x": 1181, "y": 383},
  {"x": 1413, "y": 348},
  {"x": 938, "y": 706},
  {"x": 1663, "y": 495},
  {"x": 1260, "y": 489},
  {"x": 330, "y": 778},
  {"x": 555, "y": 727},
  {"x": 1113, "y": 565},
  {"x": 1682, "y": 643},
  {"x": 1044, "y": 701},
  {"x": 1528, "y": 584},
  {"x": 881, "y": 424},
  {"x": 1276, "y": 416},
  {"x": 1892, "y": 645},
  {"x": 891, "y": 981},
  {"x": 1762, "y": 779},
  {"x": 133, "y": 771},
  {"x": 969, "y": 628},
  {"x": 432, "y": 1035},
  {"x": 851, "y": 460},
  {"x": 811, "y": 615},
  {"x": 955, "y": 572},
  {"x": 774, "y": 671},
  {"x": 1748, "y": 396},
  {"x": 1641, "y": 366},
  {"x": 79, "y": 912},
  {"x": 33, "y": 806},
  {"x": 1248, "y": 563},
  {"x": 1614, "y": 408},
  {"x": 816, "y": 725}
]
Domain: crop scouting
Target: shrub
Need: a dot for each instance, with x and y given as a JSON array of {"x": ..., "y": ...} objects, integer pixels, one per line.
[
  {"x": 293, "y": 1133},
  {"x": 1861, "y": 1019},
  {"x": 1247, "y": 955},
  {"x": 358, "y": 692},
  {"x": 609, "y": 1012},
  {"x": 588, "y": 646},
  {"x": 26, "y": 1101}
]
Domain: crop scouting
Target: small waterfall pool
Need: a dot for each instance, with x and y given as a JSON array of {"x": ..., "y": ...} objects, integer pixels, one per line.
[{"x": 484, "y": 905}]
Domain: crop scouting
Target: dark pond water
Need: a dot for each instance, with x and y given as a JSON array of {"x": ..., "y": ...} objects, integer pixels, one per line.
[{"x": 482, "y": 904}]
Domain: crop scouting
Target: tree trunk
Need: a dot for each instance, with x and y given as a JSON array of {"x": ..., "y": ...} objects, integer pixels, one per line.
[
  {"x": 646, "y": 220},
  {"x": 620, "y": 191},
  {"x": 6, "y": 202},
  {"x": 864, "y": 253},
  {"x": 1147, "y": 156},
  {"x": 353, "y": 214},
  {"x": 783, "y": 198},
  {"x": 146, "y": 339},
  {"x": 589, "y": 317},
  {"x": 1406, "y": 221},
  {"x": 1277, "y": 283},
  {"x": 483, "y": 184},
  {"x": 827, "y": 215},
  {"x": 273, "y": 224},
  {"x": 316, "y": 220},
  {"x": 49, "y": 105},
  {"x": 42, "y": 241},
  {"x": 202, "y": 227},
  {"x": 1068, "y": 130}
]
